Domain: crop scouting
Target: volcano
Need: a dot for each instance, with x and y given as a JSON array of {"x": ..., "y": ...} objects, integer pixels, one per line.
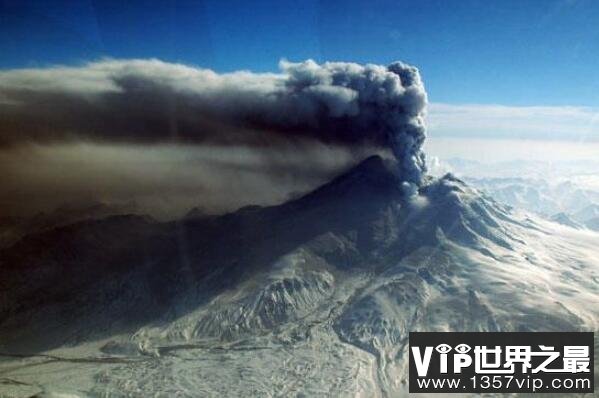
[{"x": 313, "y": 297}]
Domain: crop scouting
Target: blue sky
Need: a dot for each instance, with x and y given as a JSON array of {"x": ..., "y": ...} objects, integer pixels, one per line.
[{"x": 515, "y": 53}]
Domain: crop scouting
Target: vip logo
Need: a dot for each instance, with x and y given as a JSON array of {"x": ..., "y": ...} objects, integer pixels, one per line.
[
  {"x": 508, "y": 362},
  {"x": 575, "y": 359}
]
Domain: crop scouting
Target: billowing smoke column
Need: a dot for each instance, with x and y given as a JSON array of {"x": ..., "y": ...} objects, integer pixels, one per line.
[
  {"x": 149, "y": 101},
  {"x": 367, "y": 104}
]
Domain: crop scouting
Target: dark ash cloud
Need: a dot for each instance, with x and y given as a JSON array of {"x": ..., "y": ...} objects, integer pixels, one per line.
[
  {"x": 149, "y": 101},
  {"x": 171, "y": 137},
  {"x": 163, "y": 180}
]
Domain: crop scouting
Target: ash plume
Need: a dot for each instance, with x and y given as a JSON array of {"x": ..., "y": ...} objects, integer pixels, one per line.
[
  {"x": 153, "y": 102},
  {"x": 171, "y": 137}
]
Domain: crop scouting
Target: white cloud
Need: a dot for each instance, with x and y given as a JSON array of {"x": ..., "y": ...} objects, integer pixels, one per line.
[{"x": 576, "y": 123}]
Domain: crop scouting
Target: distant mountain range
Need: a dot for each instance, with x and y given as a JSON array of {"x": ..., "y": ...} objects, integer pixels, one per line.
[
  {"x": 556, "y": 190},
  {"x": 555, "y": 201},
  {"x": 14, "y": 228}
]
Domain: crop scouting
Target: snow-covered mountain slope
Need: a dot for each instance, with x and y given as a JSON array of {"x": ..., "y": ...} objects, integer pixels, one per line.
[
  {"x": 564, "y": 219},
  {"x": 586, "y": 214},
  {"x": 314, "y": 297}
]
